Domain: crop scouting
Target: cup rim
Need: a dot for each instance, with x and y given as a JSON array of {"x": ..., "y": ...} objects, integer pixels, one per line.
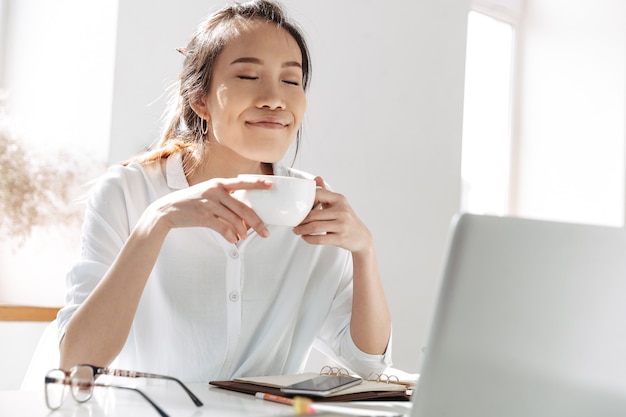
[{"x": 270, "y": 176}]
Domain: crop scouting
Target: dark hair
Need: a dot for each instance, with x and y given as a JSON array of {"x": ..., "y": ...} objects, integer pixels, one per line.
[{"x": 183, "y": 126}]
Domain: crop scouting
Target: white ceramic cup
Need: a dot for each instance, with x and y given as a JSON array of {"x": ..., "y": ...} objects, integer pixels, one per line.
[{"x": 287, "y": 203}]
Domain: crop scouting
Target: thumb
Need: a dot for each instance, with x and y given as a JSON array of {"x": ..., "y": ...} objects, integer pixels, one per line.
[{"x": 319, "y": 182}]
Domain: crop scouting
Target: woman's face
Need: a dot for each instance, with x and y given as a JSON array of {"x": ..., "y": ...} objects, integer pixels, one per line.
[{"x": 256, "y": 100}]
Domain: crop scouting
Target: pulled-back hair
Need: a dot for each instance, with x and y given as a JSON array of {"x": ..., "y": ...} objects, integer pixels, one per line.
[{"x": 183, "y": 129}]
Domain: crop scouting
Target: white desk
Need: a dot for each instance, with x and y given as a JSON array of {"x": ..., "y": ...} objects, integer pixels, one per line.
[{"x": 113, "y": 402}]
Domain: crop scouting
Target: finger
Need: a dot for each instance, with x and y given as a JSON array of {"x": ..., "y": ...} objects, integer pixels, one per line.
[
  {"x": 329, "y": 237},
  {"x": 328, "y": 206},
  {"x": 242, "y": 215},
  {"x": 213, "y": 213},
  {"x": 325, "y": 198},
  {"x": 225, "y": 229},
  {"x": 319, "y": 239},
  {"x": 247, "y": 216},
  {"x": 233, "y": 220},
  {"x": 235, "y": 184},
  {"x": 319, "y": 220},
  {"x": 320, "y": 185},
  {"x": 316, "y": 227},
  {"x": 309, "y": 223}
]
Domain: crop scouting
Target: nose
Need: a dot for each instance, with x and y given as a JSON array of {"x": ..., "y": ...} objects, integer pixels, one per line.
[{"x": 270, "y": 96}]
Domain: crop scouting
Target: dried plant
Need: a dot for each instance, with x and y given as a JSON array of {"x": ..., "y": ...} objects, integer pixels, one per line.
[{"x": 36, "y": 190}]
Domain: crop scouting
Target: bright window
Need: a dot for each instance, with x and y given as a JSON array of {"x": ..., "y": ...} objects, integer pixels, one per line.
[
  {"x": 56, "y": 89},
  {"x": 486, "y": 120}
]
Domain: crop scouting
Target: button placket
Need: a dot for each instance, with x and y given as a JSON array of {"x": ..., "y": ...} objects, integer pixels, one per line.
[
  {"x": 234, "y": 282},
  {"x": 233, "y": 304}
]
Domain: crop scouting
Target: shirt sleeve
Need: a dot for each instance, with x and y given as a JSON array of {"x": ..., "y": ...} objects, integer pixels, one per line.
[
  {"x": 105, "y": 229},
  {"x": 335, "y": 339}
]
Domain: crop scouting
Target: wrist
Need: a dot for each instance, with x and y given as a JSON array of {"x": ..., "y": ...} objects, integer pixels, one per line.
[
  {"x": 153, "y": 222},
  {"x": 365, "y": 249},
  {"x": 365, "y": 255}
]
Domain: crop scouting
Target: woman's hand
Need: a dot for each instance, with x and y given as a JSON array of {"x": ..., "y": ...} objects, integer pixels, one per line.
[
  {"x": 334, "y": 223},
  {"x": 211, "y": 204}
]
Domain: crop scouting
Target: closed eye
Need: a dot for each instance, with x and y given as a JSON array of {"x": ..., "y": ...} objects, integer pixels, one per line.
[
  {"x": 291, "y": 82},
  {"x": 247, "y": 77}
]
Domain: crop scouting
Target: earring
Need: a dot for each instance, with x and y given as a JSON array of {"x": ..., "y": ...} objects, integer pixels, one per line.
[{"x": 204, "y": 126}]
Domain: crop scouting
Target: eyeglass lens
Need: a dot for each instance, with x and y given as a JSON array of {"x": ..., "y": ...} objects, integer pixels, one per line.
[
  {"x": 55, "y": 388},
  {"x": 82, "y": 382}
]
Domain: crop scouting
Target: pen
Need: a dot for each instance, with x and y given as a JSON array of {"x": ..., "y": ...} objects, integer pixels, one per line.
[
  {"x": 275, "y": 398},
  {"x": 301, "y": 406}
]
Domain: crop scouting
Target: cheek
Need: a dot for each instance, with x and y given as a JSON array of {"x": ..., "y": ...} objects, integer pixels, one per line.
[
  {"x": 221, "y": 119},
  {"x": 219, "y": 97},
  {"x": 219, "y": 101},
  {"x": 299, "y": 107},
  {"x": 222, "y": 131}
]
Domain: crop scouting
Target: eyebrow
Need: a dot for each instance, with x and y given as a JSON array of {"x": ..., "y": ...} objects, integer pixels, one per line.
[{"x": 252, "y": 60}]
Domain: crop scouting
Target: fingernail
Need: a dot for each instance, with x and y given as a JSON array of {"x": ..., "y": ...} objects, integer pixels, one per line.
[{"x": 265, "y": 233}]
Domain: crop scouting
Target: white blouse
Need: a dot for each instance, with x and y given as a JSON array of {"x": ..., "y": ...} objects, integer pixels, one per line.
[{"x": 213, "y": 310}]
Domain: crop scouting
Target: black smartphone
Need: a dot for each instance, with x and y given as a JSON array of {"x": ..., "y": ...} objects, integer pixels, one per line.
[{"x": 322, "y": 385}]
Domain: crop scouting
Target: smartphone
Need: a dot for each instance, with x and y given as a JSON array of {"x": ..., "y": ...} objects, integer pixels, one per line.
[{"x": 322, "y": 386}]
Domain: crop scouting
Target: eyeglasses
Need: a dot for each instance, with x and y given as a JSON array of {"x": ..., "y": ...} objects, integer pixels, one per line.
[{"x": 82, "y": 378}]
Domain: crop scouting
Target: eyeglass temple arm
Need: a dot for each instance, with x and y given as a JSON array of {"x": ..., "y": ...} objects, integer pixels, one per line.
[
  {"x": 193, "y": 397},
  {"x": 135, "y": 374},
  {"x": 156, "y": 407}
]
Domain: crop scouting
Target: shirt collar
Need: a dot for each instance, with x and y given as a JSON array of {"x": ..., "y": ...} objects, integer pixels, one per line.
[{"x": 175, "y": 173}]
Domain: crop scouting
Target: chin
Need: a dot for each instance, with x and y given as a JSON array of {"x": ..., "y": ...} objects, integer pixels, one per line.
[
  {"x": 270, "y": 157},
  {"x": 267, "y": 151},
  {"x": 271, "y": 160}
]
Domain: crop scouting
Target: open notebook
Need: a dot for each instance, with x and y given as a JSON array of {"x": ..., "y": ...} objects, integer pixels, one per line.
[
  {"x": 377, "y": 387},
  {"x": 530, "y": 321}
]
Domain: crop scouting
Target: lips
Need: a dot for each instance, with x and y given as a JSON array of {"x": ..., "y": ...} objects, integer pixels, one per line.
[{"x": 269, "y": 122}]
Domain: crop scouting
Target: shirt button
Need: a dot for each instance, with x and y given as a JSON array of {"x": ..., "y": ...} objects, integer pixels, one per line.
[
  {"x": 234, "y": 254},
  {"x": 233, "y": 296}
]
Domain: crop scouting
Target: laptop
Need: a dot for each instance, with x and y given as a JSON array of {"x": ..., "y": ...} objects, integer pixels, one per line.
[{"x": 530, "y": 321}]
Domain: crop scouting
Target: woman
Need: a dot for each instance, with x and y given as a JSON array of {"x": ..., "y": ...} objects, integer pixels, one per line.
[{"x": 178, "y": 277}]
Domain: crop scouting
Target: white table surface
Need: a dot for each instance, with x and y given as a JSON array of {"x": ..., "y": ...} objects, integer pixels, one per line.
[{"x": 172, "y": 399}]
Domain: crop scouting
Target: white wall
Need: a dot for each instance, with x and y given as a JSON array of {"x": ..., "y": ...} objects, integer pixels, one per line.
[
  {"x": 384, "y": 127},
  {"x": 571, "y": 123},
  {"x": 15, "y": 357},
  {"x": 146, "y": 65},
  {"x": 383, "y": 124}
]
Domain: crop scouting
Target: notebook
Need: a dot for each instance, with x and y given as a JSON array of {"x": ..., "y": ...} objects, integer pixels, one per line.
[
  {"x": 376, "y": 388},
  {"x": 530, "y": 320}
]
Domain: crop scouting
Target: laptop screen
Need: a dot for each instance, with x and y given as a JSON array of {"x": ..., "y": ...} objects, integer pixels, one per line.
[{"x": 530, "y": 321}]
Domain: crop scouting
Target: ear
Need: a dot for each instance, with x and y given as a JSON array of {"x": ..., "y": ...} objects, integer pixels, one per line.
[{"x": 200, "y": 107}]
